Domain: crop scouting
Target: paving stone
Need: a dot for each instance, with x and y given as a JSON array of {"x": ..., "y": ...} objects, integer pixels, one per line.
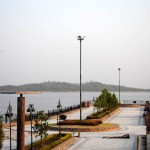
[{"x": 129, "y": 119}]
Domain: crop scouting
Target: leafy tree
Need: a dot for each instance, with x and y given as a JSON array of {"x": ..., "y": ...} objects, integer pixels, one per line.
[
  {"x": 98, "y": 104},
  {"x": 1, "y": 134},
  {"x": 114, "y": 99},
  {"x": 41, "y": 126},
  {"x": 106, "y": 100}
]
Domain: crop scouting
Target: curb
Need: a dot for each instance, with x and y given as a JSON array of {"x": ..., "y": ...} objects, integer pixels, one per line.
[{"x": 66, "y": 144}]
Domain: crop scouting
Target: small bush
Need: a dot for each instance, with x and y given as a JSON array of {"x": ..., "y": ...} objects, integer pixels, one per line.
[
  {"x": 97, "y": 116},
  {"x": 56, "y": 142},
  {"x": 50, "y": 142},
  {"x": 81, "y": 122},
  {"x": 101, "y": 114}
]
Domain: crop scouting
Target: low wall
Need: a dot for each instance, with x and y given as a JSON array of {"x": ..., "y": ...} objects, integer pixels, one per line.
[
  {"x": 66, "y": 144},
  {"x": 131, "y": 105},
  {"x": 110, "y": 114}
]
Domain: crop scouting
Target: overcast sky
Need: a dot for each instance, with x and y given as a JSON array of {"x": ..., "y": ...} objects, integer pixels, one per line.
[{"x": 38, "y": 41}]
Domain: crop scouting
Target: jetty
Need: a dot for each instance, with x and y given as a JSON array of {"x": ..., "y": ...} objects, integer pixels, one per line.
[{"x": 20, "y": 92}]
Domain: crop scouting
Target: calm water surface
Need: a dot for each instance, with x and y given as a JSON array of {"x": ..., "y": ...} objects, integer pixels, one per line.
[{"x": 49, "y": 100}]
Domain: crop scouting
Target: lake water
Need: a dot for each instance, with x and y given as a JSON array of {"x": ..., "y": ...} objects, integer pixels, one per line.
[{"x": 49, "y": 100}]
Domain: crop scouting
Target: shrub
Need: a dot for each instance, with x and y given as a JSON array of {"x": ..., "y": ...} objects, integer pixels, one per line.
[
  {"x": 81, "y": 122},
  {"x": 97, "y": 116},
  {"x": 50, "y": 142},
  {"x": 56, "y": 142},
  {"x": 101, "y": 114}
]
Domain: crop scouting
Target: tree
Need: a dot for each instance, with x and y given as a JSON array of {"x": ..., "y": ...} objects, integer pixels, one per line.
[
  {"x": 1, "y": 134},
  {"x": 114, "y": 99},
  {"x": 41, "y": 126},
  {"x": 98, "y": 104},
  {"x": 106, "y": 100}
]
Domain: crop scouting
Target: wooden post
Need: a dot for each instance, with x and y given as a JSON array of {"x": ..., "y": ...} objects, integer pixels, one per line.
[{"x": 20, "y": 122}]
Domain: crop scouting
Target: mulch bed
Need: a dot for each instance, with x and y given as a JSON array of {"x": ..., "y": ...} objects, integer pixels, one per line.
[{"x": 88, "y": 129}]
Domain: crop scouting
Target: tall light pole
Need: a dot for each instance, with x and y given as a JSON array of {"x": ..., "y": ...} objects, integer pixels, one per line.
[
  {"x": 119, "y": 84},
  {"x": 80, "y": 39},
  {"x": 31, "y": 109},
  {"x": 93, "y": 103}
]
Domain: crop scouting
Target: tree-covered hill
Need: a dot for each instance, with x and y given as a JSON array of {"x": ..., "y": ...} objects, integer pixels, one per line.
[{"x": 64, "y": 86}]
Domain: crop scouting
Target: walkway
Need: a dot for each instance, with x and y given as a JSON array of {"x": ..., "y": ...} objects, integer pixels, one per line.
[
  {"x": 6, "y": 143},
  {"x": 130, "y": 121}
]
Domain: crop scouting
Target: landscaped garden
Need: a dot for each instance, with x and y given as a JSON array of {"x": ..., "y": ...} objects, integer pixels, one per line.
[{"x": 105, "y": 104}]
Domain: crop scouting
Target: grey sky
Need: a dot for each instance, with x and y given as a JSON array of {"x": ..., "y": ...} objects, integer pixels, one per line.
[{"x": 38, "y": 41}]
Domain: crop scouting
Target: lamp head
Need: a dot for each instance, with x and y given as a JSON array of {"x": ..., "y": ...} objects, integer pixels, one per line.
[
  {"x": 93, "y": 98},
  {"x": 31, "y": 108},
  {"x": 59, "y": 104},
  {"x": 81, "y": 38},
  {"x": 9, "y": 108}
]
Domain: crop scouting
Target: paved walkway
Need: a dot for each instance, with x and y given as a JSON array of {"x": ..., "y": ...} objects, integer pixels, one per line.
[
  {"x": 130, "y": 120},
  {"x": 6, "y": 143}
]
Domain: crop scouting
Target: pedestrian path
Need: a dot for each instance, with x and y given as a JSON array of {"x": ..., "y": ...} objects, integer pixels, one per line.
[
  {"x": 130, "y": 121},
  {"x": 6, "y": 143}
]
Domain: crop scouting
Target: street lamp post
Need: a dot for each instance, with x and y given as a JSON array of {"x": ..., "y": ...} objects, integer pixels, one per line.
[
  {"x": 9, "y": 114},
  {"x": 93, "y": 103},
  {"x": 57, "y": 115},
  {"x": 80, "y": 39},
  {"x": 59, "y": 106},
  {"x": 119, "y": 83},
  {"x": 31, "y": 109},
  {"x": 1, "y": 118}
]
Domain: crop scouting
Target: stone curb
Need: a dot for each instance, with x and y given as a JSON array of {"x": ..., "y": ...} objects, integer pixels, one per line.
[
  {"x": 110, "y": 114},
  {"x": 65, "y": 144}
]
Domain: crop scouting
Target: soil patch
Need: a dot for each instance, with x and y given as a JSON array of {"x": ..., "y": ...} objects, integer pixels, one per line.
[{"x": 78, "y": 128}]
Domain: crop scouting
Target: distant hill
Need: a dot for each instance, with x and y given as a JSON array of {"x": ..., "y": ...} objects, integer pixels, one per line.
[{"x": 64, "y": 87}]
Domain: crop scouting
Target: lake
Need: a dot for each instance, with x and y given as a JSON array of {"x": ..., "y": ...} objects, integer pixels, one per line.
[{"x": 49, "y": 100}]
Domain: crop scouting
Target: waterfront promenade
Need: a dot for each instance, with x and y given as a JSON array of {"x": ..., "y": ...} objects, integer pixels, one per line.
[
  {"x": 131, "y": 122},
  {"x": 129, "y": 119}
]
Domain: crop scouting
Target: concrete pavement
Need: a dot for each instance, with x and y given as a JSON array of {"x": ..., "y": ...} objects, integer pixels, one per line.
[
  {"x": 130, "y": 120},
  {"x": 6, "y": 143}
]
